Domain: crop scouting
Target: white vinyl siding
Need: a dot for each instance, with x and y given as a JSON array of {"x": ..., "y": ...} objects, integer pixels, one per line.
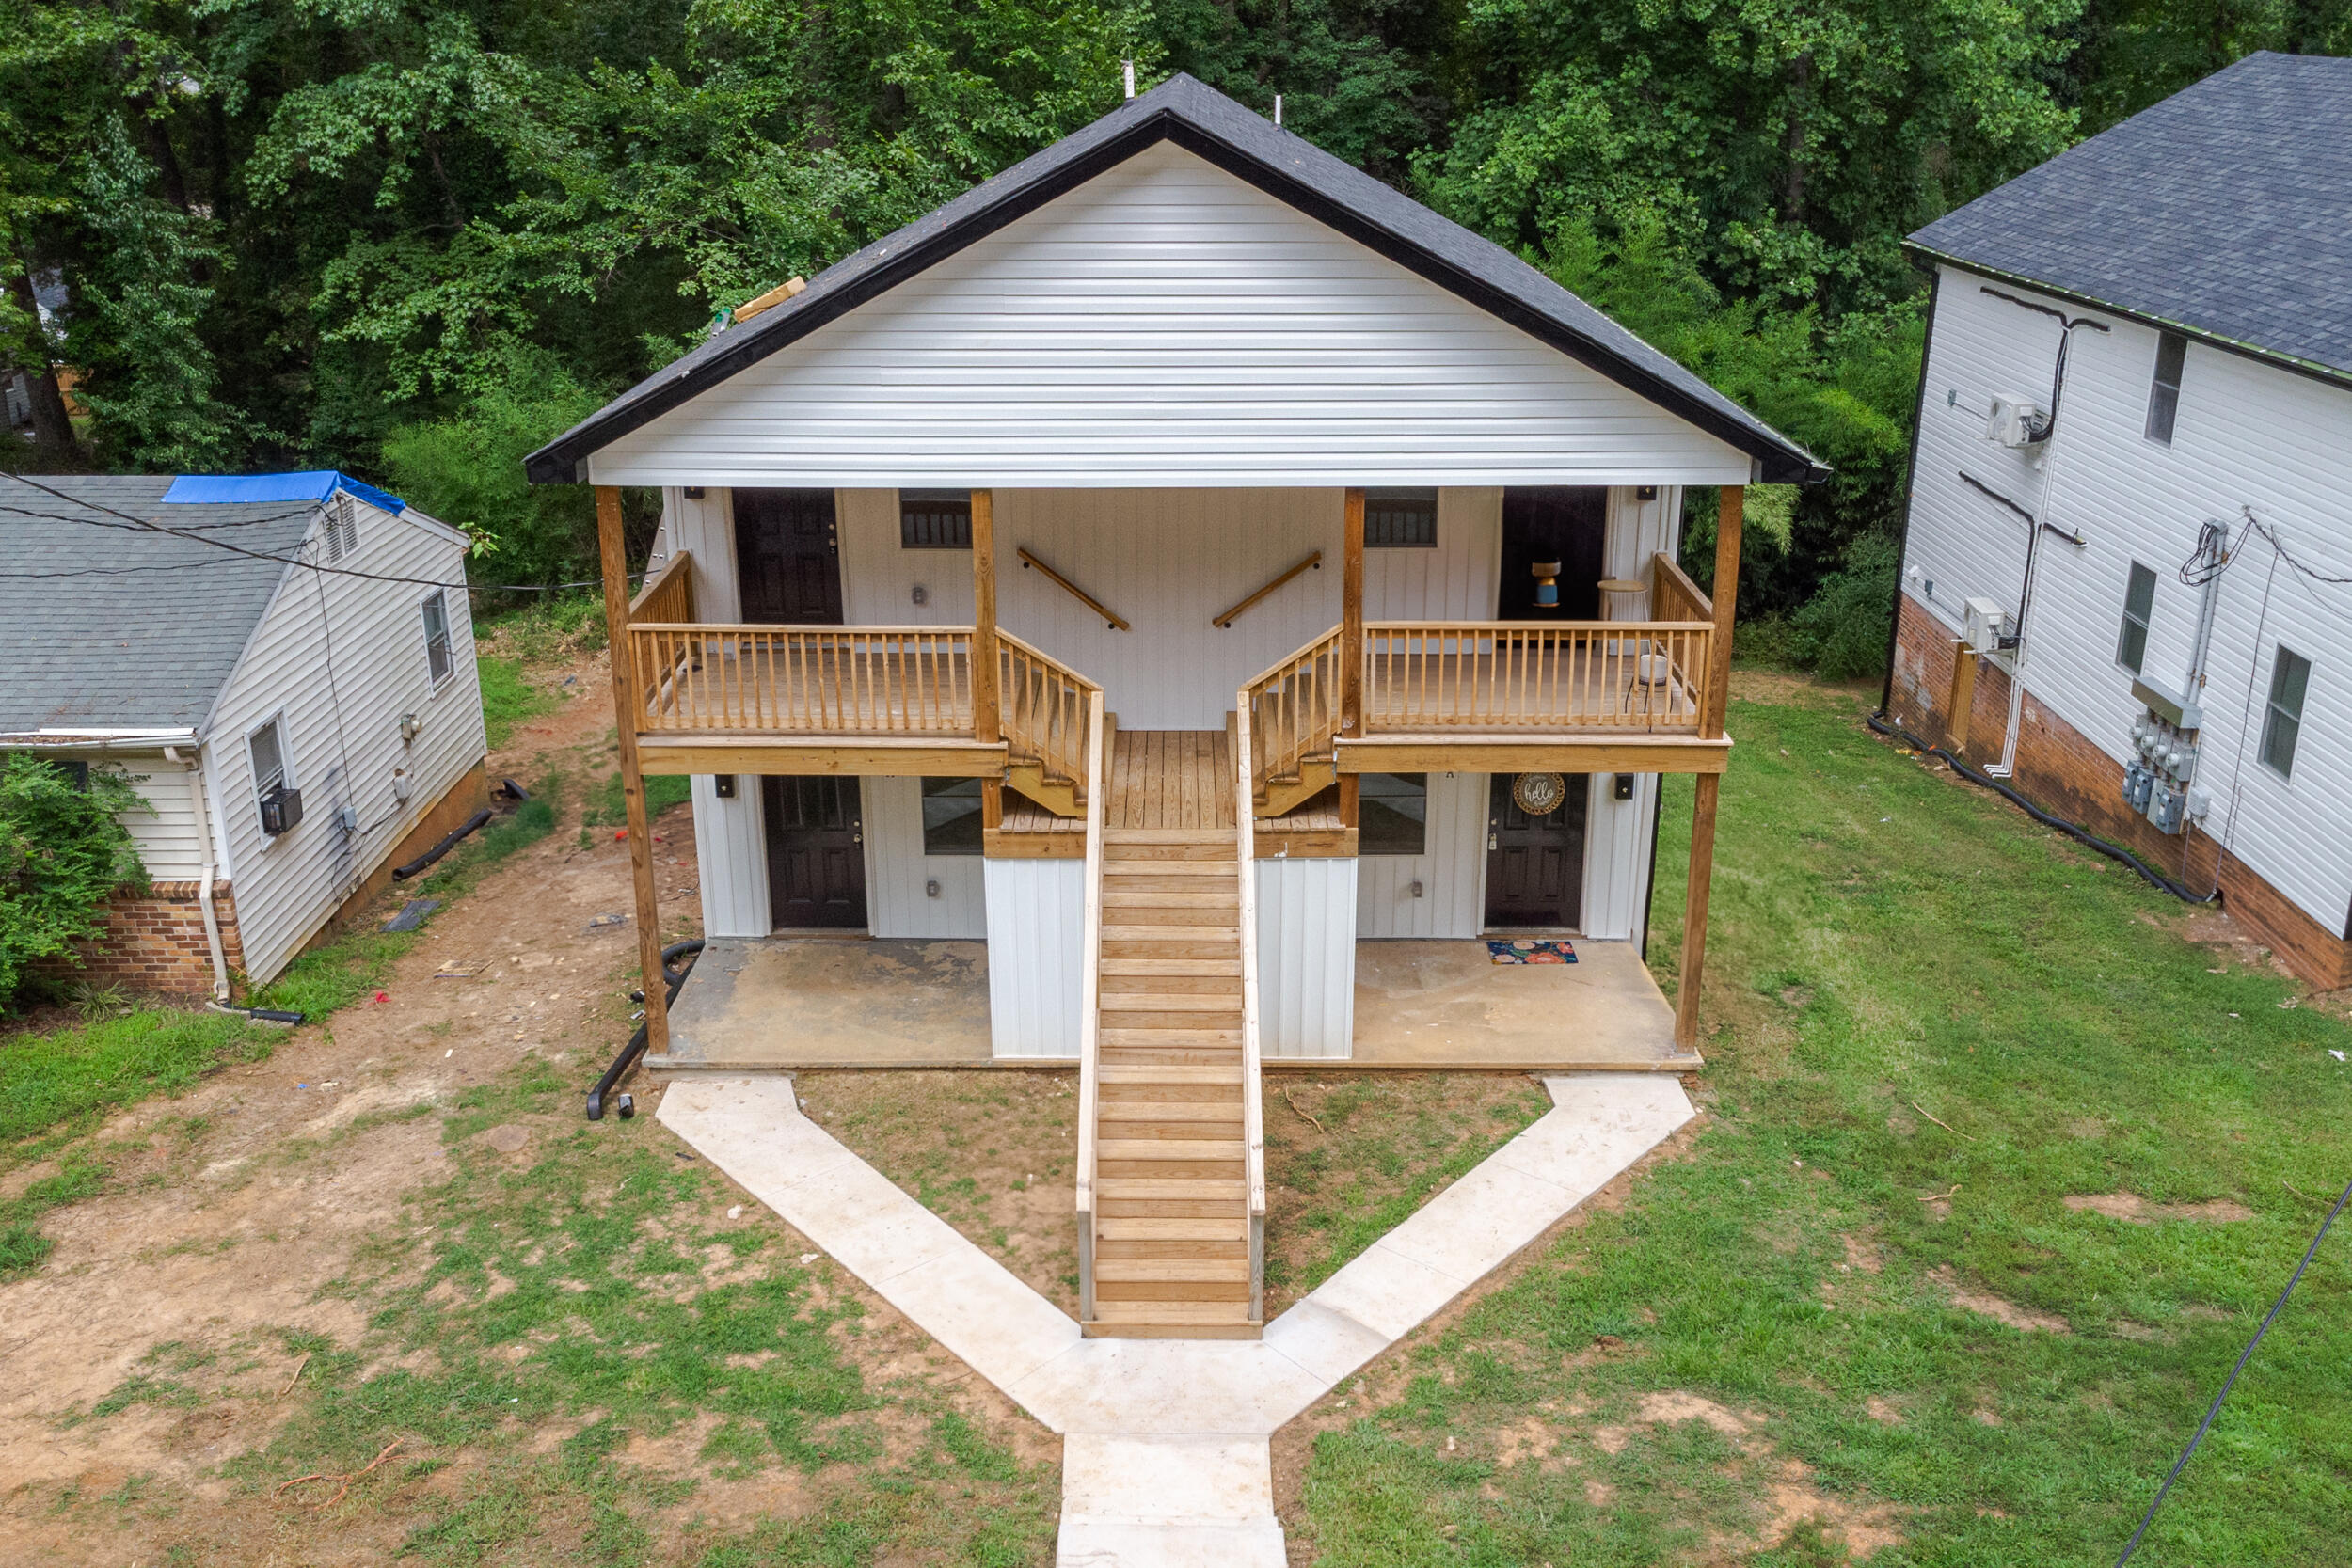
[
  {"x": 731, "y": 859},
  {"x": 1451, "y": 869},
  {"x": 1037, "y": 946},
  {"x": 2247, "y": 436},
  {"x": 1306, "y": 957},
  {"x": 1167, "y": 324},
  {"x": 338, "y": 656}
]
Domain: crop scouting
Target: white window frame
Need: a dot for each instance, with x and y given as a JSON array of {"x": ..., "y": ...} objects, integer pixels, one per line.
[
  {"x": 2165, "y": 395},
  {"x": 2273, "y": 711},
  {"x": 2145, "y": 626},
  {"x": 439, "y": 596},
  {"x": 285, "y": 767}
]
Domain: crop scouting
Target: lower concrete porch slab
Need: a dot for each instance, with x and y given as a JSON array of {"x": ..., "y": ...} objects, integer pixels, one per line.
[
  {"x": 1447, "y": 1004},
  {"x": 858, "y": 1001}
]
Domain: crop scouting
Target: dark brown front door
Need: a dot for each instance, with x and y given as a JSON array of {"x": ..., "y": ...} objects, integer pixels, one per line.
[
  {"x": 1536, "y": 865},
  {"x": 816, "y": 851},
  {"x": 787, "y": 556},
  {"x": 1552, "y": 523}
]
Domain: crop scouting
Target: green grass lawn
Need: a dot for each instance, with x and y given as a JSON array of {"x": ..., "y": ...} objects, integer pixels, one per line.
[{"x": 1887, "y": 946}]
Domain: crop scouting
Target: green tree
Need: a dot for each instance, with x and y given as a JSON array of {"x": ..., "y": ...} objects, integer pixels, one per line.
[{"x": 63, "y": 849}]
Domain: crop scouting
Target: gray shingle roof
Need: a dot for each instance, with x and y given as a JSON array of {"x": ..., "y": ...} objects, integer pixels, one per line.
[
  {"x": 146, "y": 632},
  {"x": 2226, "y": 208},
  {"x": 1244, "y": 144}
]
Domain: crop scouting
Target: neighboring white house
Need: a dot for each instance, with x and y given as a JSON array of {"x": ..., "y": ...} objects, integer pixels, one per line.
[
  {"x": 283, "y": 664},
  {"x": 1223, "y": 587},
  {"x": 2127, "y": 570}
]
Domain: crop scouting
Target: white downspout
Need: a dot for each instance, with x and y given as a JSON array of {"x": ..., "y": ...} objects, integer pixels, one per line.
[{"x": 204, "y": 885}]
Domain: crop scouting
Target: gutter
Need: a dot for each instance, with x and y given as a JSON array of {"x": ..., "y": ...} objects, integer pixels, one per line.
[{"x": 96, "y": 740}]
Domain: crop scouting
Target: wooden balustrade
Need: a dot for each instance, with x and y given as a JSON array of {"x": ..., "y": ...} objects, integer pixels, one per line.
[
  {"x": 1507, "y": 675},
  {"x": 1048, "y": 712},
  {"x": 1672, "y": 597},
  {"x": 669, "y": 593},
  {"x": 1293, "y": 712},
  {"x": 803, "y": 680}
]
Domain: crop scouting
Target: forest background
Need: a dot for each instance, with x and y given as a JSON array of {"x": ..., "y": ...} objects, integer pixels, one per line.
[{"x": 412, "y": 241}]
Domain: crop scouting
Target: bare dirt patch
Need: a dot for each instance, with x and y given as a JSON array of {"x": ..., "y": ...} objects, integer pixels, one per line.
[
  {"x": 2132, "y": 1209},
  {"x": 1984, "y": 1303}
]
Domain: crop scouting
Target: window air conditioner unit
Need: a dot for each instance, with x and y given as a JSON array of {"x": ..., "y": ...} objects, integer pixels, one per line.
[
  {"x": 1988, "y": 628},
  {"x": 2016, "y": 421},
  {"x": 281, "y": 810}
]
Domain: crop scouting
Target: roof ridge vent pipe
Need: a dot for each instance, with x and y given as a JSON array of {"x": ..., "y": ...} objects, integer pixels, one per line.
[{"x": 1128, "y": 68}]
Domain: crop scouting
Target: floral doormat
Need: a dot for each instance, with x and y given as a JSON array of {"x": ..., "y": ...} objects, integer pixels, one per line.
[{"x": 1529, "y": 950}]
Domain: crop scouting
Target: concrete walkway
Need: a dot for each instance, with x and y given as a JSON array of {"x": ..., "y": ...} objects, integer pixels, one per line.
[{"x": 1165, "y": 1458}]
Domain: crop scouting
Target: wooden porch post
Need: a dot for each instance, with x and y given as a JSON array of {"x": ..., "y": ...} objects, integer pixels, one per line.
[
  {"x": 1352, "y": 645},
  {"x": 987, "y": 720},
  {"x": 1727, "y": 595},
  {"x": 615, "y": 558}
]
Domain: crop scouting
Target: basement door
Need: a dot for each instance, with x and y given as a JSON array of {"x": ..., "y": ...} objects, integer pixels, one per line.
[
  {"x": 1536, "y": 865},
  {"x": 815, "y": 852},
  {"x": 787, "y": 557}
]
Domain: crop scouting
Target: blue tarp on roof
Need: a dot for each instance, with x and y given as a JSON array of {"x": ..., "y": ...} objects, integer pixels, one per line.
[{"x": 313, "y": 485}]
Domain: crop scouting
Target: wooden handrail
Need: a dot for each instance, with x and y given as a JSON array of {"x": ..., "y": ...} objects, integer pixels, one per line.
[
  {"x": 1252, "y": 1090},
  {"x": 1295, "y": 707},
  {"x": 669, "y": 593},
  {"x": 1673, "y": 596},
  {"x": 1089, "y": 1004},
  {"x": 1075, "y": 592},
  {"x": 1226, "y": 618},
  {"x": 1045, "y": 709},
  {"x": 1646, "y": 675}
]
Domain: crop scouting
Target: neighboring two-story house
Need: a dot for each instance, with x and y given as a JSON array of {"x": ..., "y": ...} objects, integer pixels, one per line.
[
  {"x": 1242, "y": 600},
  {"x": 2127, "y": 567}
]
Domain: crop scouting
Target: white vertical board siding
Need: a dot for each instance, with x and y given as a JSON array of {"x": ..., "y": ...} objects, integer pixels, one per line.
[
  {"x": 344, "y": 657},
  {"x": 1620, "y": 835},
  {"x": 1169, "y": 561},
  {"x": 1452, "y": 870},
  {"x": 1036, "y": 948},
  {"x": 1306, "y": 957},
  {"x": 1165, "y": 324},
  {"x": 704, "y": 527},
  {"x": 1456, "y": 581},
  {"x": 2247, "y": 435},
  {"x": 731, "y": 859},
  {"x": 879, "y": 576},
  {"x": 897, "y": 870}
]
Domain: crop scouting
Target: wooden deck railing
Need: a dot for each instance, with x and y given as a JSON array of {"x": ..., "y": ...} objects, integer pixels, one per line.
[
  {"x": 1672, "y": 597},
  {"x": 1292, "y": 711},
  {"x": 805, "y": 680},
  {"x": 1252, "y": 1054},
  {"x": 669, "y": 593},
  {"x": 1504, "y": 675},
  {"x": 1089, "y": 998},
  {"x": 1049, "y": 710}
]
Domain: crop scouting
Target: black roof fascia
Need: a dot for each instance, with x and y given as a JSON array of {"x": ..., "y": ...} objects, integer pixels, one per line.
[
  {"x": 2311, "y": 368},
  {"x": 1080, "y": 157}
]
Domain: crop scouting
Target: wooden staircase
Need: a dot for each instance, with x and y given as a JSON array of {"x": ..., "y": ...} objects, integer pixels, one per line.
[{"x": 1172, "y": 1254}]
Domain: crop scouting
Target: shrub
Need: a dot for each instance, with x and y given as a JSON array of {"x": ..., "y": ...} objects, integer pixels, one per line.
[
  {"x": 1841, "y": 631},
  {"x": 63, "y": 849}
]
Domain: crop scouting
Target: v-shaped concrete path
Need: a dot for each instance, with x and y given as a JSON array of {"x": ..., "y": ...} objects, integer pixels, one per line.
[{"x": 1165, "y": 1457}]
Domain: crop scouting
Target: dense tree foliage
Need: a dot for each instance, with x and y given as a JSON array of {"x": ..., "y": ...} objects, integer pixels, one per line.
[{"x": 412, "y": 240}]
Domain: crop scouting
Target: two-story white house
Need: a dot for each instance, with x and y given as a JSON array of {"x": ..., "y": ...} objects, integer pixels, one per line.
[{"x": 2127, "y": 566}]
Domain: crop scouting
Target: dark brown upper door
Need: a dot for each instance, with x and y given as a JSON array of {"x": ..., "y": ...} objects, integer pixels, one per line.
[
  {"x": 787, "y": 555},
  {"x": 1536, "y": 865},
  {"x": 1552, "y": 523},
  {"x": 815, "y": 852}
]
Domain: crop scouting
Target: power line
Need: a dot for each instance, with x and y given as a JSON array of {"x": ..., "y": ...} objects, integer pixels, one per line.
[{"x": 131, "y": 523}]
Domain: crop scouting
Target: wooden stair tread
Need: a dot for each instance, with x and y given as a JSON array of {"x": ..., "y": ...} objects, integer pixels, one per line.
[
  {"x": 1201, "y": 1189},
  {"x": 1157, "y": 1111},
  {"x": 1142, "y": 1271},
  {"x": 1144, "y": 1230},
  {"x": 1172, "y": 968},
  {"x": 1169, "y": 1151},
  {"x": 1172, "y": 1073}
]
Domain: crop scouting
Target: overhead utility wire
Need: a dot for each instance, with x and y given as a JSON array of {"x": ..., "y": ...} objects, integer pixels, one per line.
[
  {"x": 2215, "y": 1409},
  {"x": 129, "y": 523}
]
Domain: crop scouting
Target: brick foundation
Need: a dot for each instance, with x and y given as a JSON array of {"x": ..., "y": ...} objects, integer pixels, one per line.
[
  {"x": 157, "y": 943},
  {"x": 2060, "y": 771}
]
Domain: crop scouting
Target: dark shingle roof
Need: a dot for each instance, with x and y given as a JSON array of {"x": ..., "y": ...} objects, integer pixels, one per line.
[
  {"x": 2226, "y": 208},
  {"x": 1244, "y": 144},
  {"x": 147, "y": 630}
]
